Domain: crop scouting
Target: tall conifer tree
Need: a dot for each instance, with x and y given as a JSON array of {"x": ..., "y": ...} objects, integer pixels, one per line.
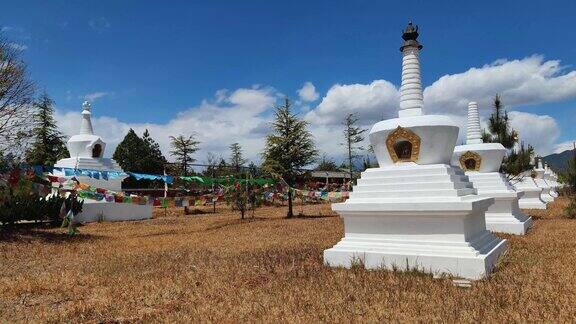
[
  {"x": 289, "y": 147},
  {"x": 48, "y": 146},
  {"x": 237, "y": 159},
  {"x": 182, "y": 150}
]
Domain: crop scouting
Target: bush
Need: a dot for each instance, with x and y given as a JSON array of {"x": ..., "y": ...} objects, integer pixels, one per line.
[{"x": 23, "y": 202}]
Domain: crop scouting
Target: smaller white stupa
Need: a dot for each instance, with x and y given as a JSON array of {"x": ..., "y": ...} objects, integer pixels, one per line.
[
  {"x": 549, "y": 177},
  {"x": 539, "y": 171},
  {"x": 481, "y": 162},
  {"x": 87, "y": 152},
  {"x": 531, "y": 192},
  {"x": 87, "y": 155}
]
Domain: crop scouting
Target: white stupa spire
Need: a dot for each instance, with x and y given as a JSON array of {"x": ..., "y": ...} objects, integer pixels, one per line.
[
  {"x": 411, "y": 94},
  {"x": 473, "y": 132},
  {"x": 86, "y": 126}
]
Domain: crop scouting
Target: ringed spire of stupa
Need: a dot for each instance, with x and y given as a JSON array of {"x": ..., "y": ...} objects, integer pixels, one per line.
[
  {"x": 473, "y": 132},
  {"x": 411, "y": 94}
]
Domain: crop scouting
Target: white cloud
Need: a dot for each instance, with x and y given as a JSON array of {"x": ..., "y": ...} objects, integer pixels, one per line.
[
  {"x": 564, "y": 146},
  {"x": 238, "y": 116},
  {"x": 96, "y": 95},
  {"x": 243, "y": 115},
  {"x": 530, "y": 80},
  {"x": 540, "y": 131},
  {"x": 308, "y": 92},
  {"x": 371, "y": 102}
]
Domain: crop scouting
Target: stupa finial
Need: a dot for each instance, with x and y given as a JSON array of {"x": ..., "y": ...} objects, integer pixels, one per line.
[
  {"x": 86, "y": 105},
  {"x": 410, "y": 37},
  {"x": 411, "y": 94}
]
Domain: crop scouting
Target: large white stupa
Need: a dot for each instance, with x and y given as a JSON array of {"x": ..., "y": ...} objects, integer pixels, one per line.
[
  {"x": 415, "y": 211},
  {"x": 481, "y": 162},
  {"x": 87, "y": 152}
]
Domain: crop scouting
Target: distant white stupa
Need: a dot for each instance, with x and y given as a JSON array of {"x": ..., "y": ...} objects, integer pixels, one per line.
[{"x": 87, "y": 152}]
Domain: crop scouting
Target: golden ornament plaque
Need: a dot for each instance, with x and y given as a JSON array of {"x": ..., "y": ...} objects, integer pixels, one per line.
[
  {"x": 470, "y": 161},
  {"x": 403, "y": 145}
]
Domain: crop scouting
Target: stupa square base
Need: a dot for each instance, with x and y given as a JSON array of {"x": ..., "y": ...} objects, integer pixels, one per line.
[
  {"x": 505, "y": 216},
  {"x": 443, "y": 238},
  {"x": 531, "y": 199},
  {"x": 95, "y": 211}
]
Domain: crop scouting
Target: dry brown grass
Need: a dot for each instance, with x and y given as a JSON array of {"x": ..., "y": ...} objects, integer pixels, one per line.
[{"x": 219, "y": 268}]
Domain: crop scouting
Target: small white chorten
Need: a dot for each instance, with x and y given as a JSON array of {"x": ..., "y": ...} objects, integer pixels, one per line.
[
  {"x": 531, "y": 193},
  {"x": 481, "y": 162},
  {"x": 87, "y": 152},
  {"x": 549, "y": 178},
  {"x": 538, "y": 171},
  {"x": 415, "y": 211}
]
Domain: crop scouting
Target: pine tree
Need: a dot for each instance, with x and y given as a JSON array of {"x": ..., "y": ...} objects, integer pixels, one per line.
[
  {"x": 499, "y": 127},
  {"x": 289, "y": 147},
  {"x": 130, "y": 151},
  {"x": 153, "y": 161},
  {"x": 222, "y": 169},
  {"x": 254, "y": 170},
  {"x": 182, "y": 150},
  {"x": 326, "y": 164},
  {"x": 353, "y": 135},
  {"x": 236, "y": 159},
  {"x": 518, "y": 160},
  {"x": 48, "y": 146}
]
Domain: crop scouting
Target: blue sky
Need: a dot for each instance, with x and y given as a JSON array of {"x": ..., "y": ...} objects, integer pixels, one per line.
[{"x": 145, "y": 62}]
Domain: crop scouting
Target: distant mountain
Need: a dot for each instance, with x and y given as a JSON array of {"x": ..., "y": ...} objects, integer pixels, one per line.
[{"x": 559, "y": 161}]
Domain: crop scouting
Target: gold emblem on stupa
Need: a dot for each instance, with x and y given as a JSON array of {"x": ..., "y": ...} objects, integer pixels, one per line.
[
  {"x": 470, "y": 161},
  {"x": 403, "y": 145}
]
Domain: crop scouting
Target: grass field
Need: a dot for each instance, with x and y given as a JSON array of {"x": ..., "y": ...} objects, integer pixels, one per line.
[{"x": 219, "y": 268}]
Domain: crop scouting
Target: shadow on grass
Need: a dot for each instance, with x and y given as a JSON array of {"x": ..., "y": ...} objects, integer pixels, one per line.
[
  {"x": 33, "y": 233},
  {"x": 304, "y": 216}
]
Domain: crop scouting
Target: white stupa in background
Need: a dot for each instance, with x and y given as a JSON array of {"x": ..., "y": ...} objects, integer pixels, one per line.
[
  {"x": 531, "y": 192},
  {"x": 539, "y": 171},
  {"x": 481, "y": 162},
  {"x": 551, "y": 179},
  {"x": 415, "y": 210},
  {"x": 87, "y": 152}
]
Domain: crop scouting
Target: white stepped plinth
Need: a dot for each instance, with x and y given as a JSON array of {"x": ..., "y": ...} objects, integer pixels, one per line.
[
  {"x": 504, "y": 215},
  {"x": 531, "y": 194},
  {"x": 416, "y": 216}
]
